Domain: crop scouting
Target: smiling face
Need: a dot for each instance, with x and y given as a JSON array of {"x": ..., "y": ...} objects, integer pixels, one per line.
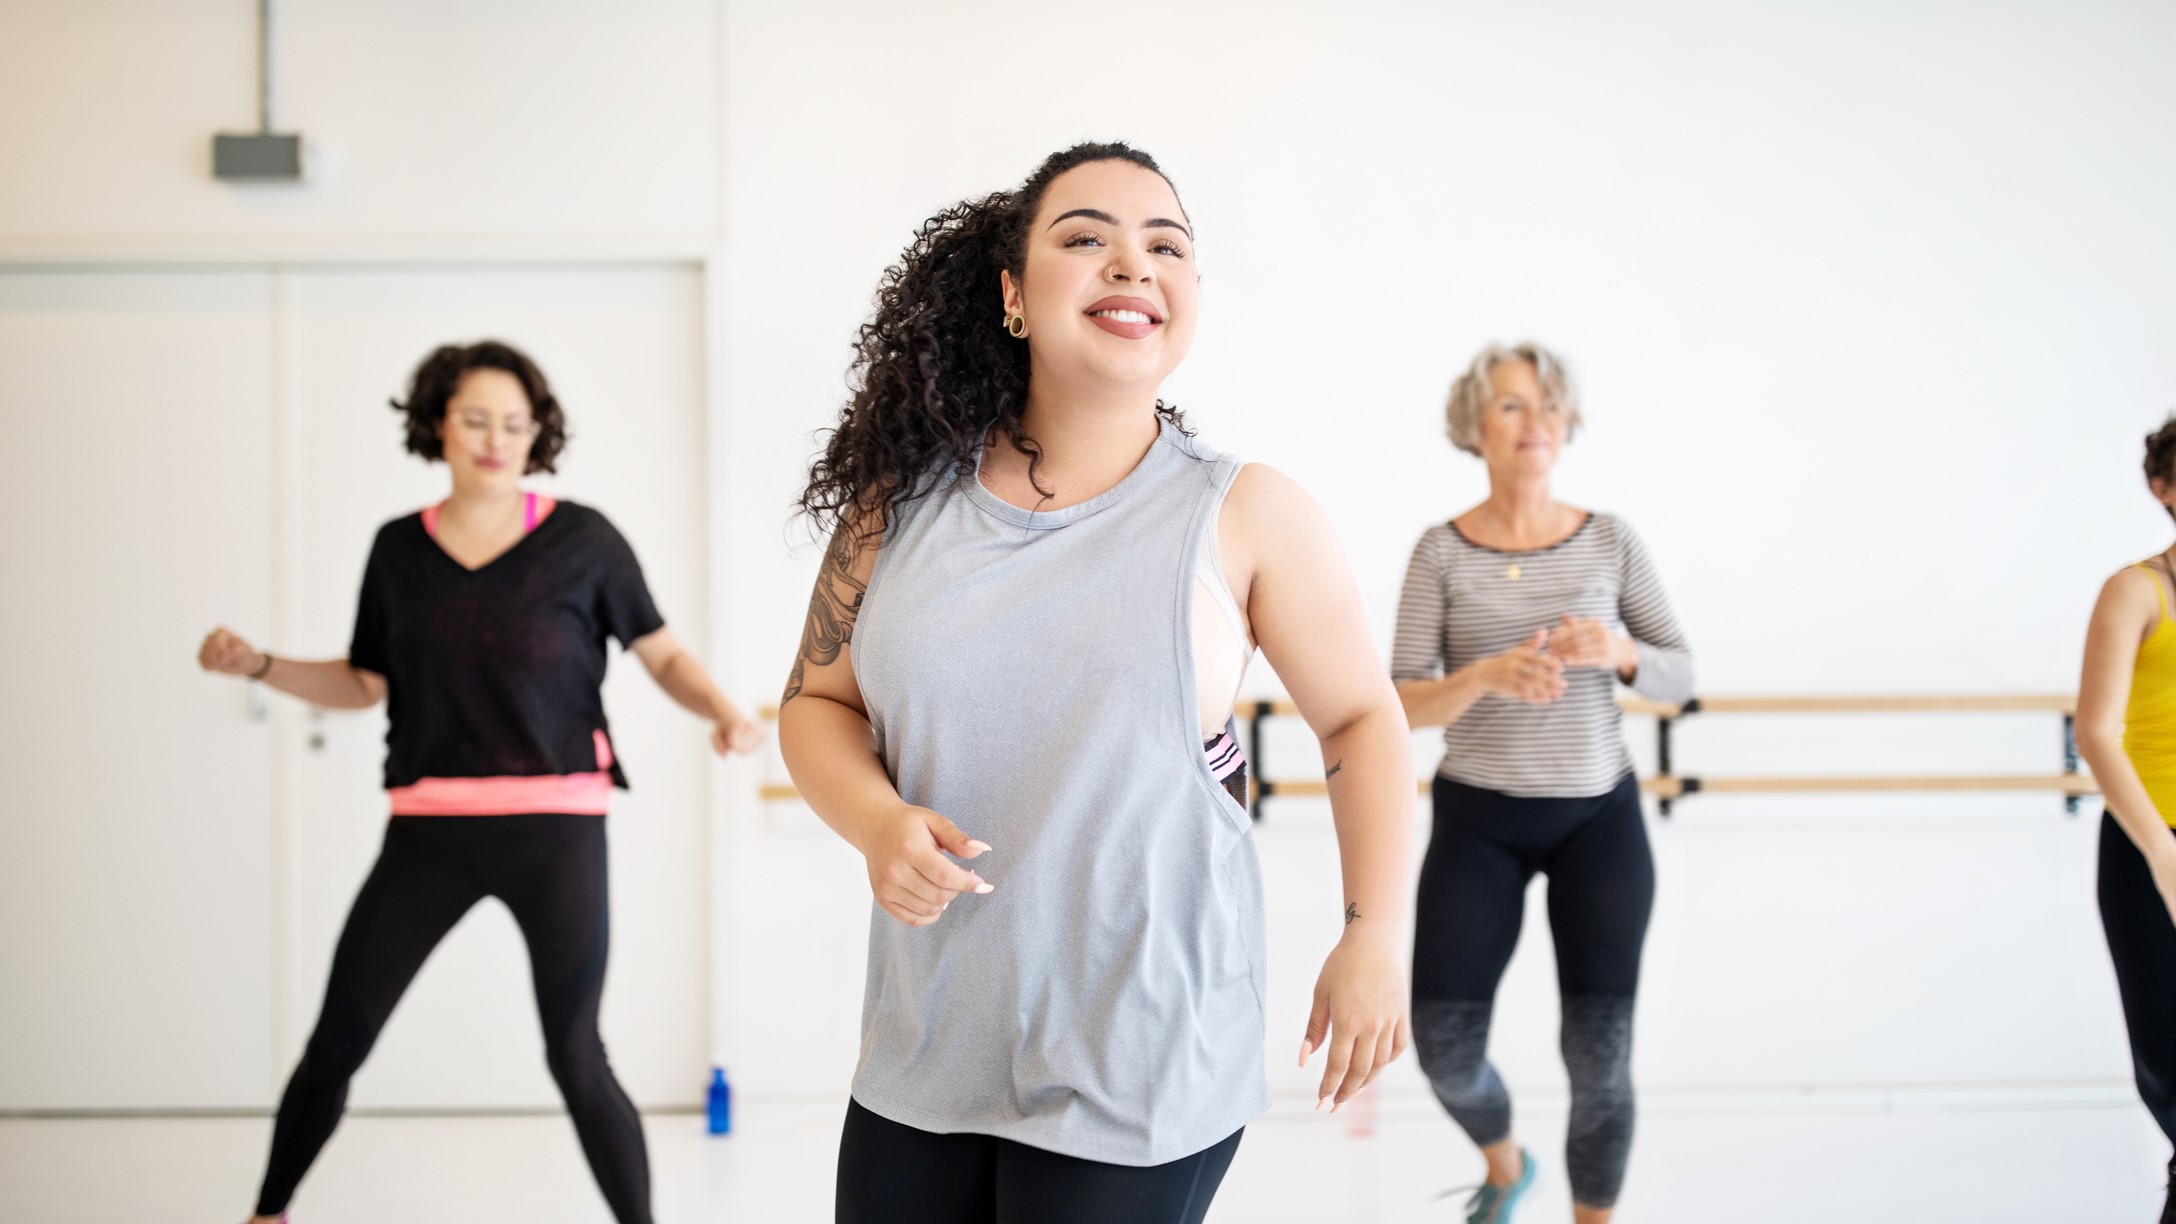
[
  {"x": 488, "y": 431},
  {"x": 1522, "y": 428},
  {"x": 1109, "y": 287}
]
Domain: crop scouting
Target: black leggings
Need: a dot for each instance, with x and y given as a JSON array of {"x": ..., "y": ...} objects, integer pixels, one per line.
[
  {"x": 550, "y": 871},
  {"x": 1485, "y": 850},
  {"x": 2142, "y": 942},
  {"x": 890, "y": 1173}
]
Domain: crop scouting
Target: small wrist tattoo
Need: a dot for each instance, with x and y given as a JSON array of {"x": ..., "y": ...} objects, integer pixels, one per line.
[
  {"x": 1333, "y": 769},
  {"x": 1352, "y": 911}
]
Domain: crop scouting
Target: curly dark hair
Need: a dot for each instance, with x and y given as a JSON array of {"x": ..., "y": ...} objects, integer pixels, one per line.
[
  {"x": 435, "y": 381},
  {"x": 2161, "y": 457},
  {"x": 934, "y": 369}
]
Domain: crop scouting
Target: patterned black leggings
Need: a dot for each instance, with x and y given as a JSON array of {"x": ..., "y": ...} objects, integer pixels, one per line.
[{"x": 1485, "y": 850}]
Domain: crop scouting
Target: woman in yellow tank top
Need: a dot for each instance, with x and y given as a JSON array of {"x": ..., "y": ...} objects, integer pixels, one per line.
[{"x": 2127, "y": 733}]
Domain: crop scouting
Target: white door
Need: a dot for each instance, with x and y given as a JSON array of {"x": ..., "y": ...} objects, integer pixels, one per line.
[
  {"x": 136, "y": 873},
  {"x": 622, "y": 348}
]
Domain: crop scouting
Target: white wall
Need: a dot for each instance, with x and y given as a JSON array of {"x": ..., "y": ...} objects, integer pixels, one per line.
[
  {"x": 468, "y": 125},
  {"x": 136, "y": 846},
  {"x": 1869, "y": 302}
]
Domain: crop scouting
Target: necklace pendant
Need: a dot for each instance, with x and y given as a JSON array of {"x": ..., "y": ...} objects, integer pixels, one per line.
[{"x": 1512, "y": 573}]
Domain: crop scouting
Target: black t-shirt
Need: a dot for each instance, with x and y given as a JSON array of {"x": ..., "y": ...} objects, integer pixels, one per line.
[{"x": 495, "y": 672}]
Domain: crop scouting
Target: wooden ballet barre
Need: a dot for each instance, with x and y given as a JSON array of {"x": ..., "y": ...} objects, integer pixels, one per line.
[
  {"x": 1668, "y": 786},
  {"x": 1677, "y": 787},
  {"x": 2070, "y": 785},
  {"x": 2027, "y": 703},
  {"x": 1674, "y": 787}
]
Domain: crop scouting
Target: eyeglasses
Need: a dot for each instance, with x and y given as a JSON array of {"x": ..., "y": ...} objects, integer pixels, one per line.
[{"x": 517, "y": 427}]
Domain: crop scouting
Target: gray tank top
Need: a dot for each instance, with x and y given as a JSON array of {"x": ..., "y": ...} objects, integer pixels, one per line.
[{"x": 1031, "y": 676}]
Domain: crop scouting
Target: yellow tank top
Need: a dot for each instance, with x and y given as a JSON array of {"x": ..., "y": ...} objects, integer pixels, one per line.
[{"x": 2149, "y": 720}]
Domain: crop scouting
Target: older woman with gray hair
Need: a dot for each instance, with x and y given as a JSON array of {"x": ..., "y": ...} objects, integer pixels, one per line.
[{"x": 1518, "y": 619}]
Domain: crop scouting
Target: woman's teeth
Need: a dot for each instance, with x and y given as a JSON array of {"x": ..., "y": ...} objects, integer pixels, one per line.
[{"x": 1121, "y": 316}]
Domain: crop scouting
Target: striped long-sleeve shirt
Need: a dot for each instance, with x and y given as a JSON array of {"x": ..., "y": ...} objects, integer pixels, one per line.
[{"x": 1464, "y": 602}]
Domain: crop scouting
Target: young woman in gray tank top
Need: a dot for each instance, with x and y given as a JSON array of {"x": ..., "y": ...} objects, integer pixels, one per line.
[{"x": 1022, "y": 654}]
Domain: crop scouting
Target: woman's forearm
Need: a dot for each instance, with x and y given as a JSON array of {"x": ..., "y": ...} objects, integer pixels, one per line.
[
  {"x": 1658, "y": 673},
  {"x": 1439, "y": 703},
  {"x": 331, "y": 683},
  {"x": 831, "y": 755},
  {"x": 1370, "y": 767},
  {"x": 2125, "y": 794},
  {"x": 691, "y": 688}
]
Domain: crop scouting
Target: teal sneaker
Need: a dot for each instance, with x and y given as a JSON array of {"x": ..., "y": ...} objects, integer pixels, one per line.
[{"x": 1494, "y": 1204}]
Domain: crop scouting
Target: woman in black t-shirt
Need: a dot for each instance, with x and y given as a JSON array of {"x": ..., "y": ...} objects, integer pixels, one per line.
[{"x": 482, "y": 624}]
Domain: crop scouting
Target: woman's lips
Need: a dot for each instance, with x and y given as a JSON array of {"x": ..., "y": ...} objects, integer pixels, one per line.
[
  {"x": 490, "y": 465},
  {"x": 1129, "y": 317}
]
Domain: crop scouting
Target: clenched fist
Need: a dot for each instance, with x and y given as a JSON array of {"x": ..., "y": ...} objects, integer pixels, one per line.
[{"x": 225, "y": 652}]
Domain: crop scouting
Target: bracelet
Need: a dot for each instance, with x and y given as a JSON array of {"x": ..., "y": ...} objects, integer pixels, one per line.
[{"x": 259, "y": 674}]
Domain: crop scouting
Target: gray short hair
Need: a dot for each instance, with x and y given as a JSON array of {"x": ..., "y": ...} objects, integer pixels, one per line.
[{"x": 1470, "y": 394}]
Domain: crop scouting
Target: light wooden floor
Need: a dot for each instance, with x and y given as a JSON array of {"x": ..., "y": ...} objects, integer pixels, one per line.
[{"x": 2083, "y": 1158}]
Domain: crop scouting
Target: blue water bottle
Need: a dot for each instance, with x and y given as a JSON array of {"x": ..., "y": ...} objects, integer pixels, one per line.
[{"x": 721, "y": 1103}]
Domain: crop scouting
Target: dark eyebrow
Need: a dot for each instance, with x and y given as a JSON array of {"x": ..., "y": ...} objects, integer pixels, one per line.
[
  {"x": 1093, "y": 214},
  {"x": 1097, "y": 214}
]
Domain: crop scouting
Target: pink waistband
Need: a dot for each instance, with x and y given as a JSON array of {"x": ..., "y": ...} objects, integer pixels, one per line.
[
  {"x": 575, "y": 794},
  {"x": 582, "y": 794}
]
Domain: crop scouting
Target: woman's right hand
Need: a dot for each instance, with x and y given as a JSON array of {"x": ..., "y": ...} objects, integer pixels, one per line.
[
  {"x": 225, "y": 652},
  {"x": 1526, "y": 672},
  {"x": 908, "y": 871}
]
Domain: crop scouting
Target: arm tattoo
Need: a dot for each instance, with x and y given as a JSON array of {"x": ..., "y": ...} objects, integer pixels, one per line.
[
  {"x": 832, "y": 610},
  {"x": 1333, "y": 769},
  {"x": 1352, "y": 911}
]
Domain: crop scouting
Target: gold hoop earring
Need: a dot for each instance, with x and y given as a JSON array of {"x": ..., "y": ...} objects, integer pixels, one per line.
[{"x": 1016, "y": 325}]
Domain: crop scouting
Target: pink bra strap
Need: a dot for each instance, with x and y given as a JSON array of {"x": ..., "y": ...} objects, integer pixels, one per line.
[{"x": 532, "y": 513}]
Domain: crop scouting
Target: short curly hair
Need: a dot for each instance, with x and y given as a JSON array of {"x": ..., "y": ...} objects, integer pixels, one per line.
[
  {"x": 2161, "y": 457},
  {"x": 1470, "y": 394},
  {"x": 440, "y": 375}
]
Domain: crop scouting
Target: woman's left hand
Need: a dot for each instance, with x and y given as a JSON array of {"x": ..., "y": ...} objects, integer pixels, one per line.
[
  {"x": 1359, "y": 1015},
  {"x": 739, "y": 734}
]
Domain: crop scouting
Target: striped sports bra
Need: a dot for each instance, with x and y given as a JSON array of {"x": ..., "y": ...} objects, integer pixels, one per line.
[{"x": 1227, "y": 760}]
